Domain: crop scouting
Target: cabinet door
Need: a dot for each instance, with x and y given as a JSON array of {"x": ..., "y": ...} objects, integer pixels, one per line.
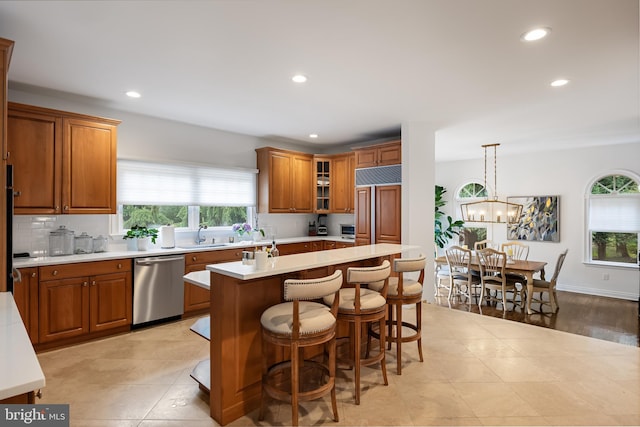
[
  {"x": 35, "y": 153},
  {"x": 342, "y": 183},
  {"x": 390, "y": 155},
  {"x": 363, "y": 215},
  {"x": 295, "y": 248},
  {"x": 388, "y": 205},
  {"x": 25, "y": 294},
  {"x": 279, "y": 182},
  {"x": 110, "y": 301},
  {"x": 64, "y": 308},
  {"x": 89, "y": 167},
  {"x": 195, "y": 297},
  {"x": 323, "y": 184},
  {"x": 342, "y": 245},
  {"x": 302, "y": 184},
  {"x": 366, "y": 158}
]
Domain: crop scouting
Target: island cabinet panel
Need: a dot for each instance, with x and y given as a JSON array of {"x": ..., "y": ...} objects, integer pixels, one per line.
[
  {"x": 25, "y": 294},
  {"x": 285, "y": 181},
  {"x": 64, "y": 163},
  {"x": 196, "y": 299},
  {"x": 84, "y": 300}
]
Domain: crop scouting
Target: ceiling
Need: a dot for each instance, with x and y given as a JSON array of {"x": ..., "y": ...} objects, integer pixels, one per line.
[{"x": 371, "y": 65}]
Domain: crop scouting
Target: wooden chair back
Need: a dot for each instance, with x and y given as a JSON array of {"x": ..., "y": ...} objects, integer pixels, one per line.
[{"x": 519, "y": 251}]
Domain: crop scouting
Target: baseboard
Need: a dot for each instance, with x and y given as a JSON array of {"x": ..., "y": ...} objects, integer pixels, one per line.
[{"x": 599, "y": 292}]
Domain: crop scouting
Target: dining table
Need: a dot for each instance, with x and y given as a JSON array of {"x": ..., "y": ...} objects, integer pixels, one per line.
[{"x": 525, "y": 268}]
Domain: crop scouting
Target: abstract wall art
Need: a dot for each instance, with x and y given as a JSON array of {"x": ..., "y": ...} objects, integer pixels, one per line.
[{"x": 540, "y": 219}]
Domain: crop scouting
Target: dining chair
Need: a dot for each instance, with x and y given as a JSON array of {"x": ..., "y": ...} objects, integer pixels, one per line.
[
  {"x": 492, "y": 276},
  {"x": 404, "y": 290},
  {"x": 516, "y": 251},
  {"x": 484, "y": 244},
  {"x": 460, "y": 275},
  {"x": 441, "y": 276},
  {"x": 549, "y": 286},
  {"x": 361, "y": 307},
  {"x": 294, "y": 325}
]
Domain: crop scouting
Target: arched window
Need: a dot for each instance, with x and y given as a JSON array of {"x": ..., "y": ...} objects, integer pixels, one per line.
[
  {"x": 468, "y": 193},
  {"x": 613, "y": 218}
]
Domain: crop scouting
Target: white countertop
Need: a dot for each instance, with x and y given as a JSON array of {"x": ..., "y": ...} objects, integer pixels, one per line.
[
  {"x": 308, "y": 260},
  {"x": 101, "y": 256},
  {"x": 20, "y": 372}
]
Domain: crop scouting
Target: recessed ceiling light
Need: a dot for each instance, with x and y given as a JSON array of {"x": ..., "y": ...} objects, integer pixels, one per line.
[
  {"x": 299, "y": 78},
  {"x": 535, "y": 34},
  {"x": 559, "y": 82},
  {"x": 313, "y": 135},
  {"x": 133, "y": 94}
]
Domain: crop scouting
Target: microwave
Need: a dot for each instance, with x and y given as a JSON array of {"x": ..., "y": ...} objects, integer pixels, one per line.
[{"x": 348, "y": 231}]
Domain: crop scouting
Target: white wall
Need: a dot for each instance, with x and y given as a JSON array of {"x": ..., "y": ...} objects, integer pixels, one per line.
[{"x": 566, "y": 174}]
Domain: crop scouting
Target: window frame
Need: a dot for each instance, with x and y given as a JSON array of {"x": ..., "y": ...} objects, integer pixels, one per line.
[
  {"x": 458, "y": 201},
  {"x": 588, "y": 240}
]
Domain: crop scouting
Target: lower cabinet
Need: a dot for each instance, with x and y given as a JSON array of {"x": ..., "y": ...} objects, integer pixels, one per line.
[
  {"x": 81, "y": 299},
  {"x": 197, "y": 299},
  {"x": 295, "y": 248},
  {"x": 25, "y": 294}
]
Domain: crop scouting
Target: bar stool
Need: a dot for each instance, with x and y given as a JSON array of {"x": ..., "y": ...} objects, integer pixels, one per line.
[
  {"x": 360, "y": 306},
  {"x": 297, "y": 324},
  {"x": 404, "y": 291}
]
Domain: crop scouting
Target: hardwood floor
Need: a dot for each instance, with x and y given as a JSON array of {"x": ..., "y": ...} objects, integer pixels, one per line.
[{"x": 604, "y": 318}]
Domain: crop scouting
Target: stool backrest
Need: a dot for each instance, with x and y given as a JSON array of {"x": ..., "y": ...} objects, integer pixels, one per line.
[
  {"x": 364, "y": 275},
  {"x": 309, "y": 289}
]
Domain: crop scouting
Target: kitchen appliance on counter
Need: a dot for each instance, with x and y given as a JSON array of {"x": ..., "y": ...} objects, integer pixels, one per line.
[
  {"x": 158, "y": 289},
  {"x": 322, "y": 229},
  {"x": 313, "y": 230},
  {"x": 348, "y": 231}
]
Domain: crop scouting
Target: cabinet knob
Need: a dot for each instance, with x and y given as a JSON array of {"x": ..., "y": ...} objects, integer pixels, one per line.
[
  {"x": 119, "y": 266},
  {"x": 85, "y": 284},
  {"x": 33, "y": 274},
  {"x": 93, "y": 283},
  {"x": 17, "y": 193},
  {"x": 66, "y": 208},
  {"x": 55, "y": 272},
  {"x": 194, "y": 258}
]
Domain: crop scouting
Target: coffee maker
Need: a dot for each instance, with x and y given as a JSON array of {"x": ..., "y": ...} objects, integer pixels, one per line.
[{"x": 322, "y": 225}]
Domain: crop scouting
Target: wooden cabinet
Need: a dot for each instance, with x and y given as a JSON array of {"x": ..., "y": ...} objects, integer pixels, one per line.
[
  {"x": 324, "y": 184},
  {"x": 387, "y": 214},
  {"x": 6, "y": 48},
  {"x": 342, "y": 245},
  {"x": 77, "y": 300},
  {"x": 295, "y": 248},
  {"x": 342, "y": 183},
  {"x": 197, "y": 299},
  {"x": 363, "y": 215},
  {"x": 317, "y": 245},
  {"x": 25, "y": 294},
  {"x": 64, "y": 163},
  {"x": 285, "y": 181},
  {"x": 379, "y": 155}
]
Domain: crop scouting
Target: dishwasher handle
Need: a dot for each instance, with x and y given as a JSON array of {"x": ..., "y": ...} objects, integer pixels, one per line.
[{"x": 151, "y": 261}]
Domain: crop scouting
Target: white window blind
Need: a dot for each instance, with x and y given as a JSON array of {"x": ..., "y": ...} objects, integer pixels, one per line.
[
  {"x": 145, "y": 183},
  {"x": 613, "y": 213}
]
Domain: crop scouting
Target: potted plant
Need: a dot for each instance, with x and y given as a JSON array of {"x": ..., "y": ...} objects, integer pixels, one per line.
[
  {"x": 142, "y": 234},
  {"x": 444, "y": 230}
]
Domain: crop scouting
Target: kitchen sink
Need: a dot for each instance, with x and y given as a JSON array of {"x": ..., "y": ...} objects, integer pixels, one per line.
[{"x": 204, "y": 246}]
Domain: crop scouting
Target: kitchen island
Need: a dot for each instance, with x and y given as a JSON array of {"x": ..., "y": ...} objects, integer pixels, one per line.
[{"x": 239, "y": 295}]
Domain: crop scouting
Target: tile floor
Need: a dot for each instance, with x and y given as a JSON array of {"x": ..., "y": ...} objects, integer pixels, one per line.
[{"x": 478, "y": 370}]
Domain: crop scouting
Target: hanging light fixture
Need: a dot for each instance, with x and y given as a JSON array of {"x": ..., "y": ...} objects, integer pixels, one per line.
[{"x": 488, "y": 210}]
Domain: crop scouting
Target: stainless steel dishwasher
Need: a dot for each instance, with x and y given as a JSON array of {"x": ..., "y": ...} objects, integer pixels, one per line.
[{"x": 158, "y": 288}]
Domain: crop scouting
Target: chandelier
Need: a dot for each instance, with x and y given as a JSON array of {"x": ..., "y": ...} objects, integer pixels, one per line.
[{"x": 491, "y": 210}]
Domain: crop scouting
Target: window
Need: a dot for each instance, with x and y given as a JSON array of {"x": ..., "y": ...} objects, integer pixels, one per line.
[
  {"x": 469, "y": 193},
  {"x": 613, "y": 211},
  {"x": 185, "y": 196}
]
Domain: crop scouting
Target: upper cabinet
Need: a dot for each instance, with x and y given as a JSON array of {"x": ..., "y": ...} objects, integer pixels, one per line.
[
  {"x": 342, "y": 183},
  {"x": 323, "y": 178},
  {"x": 64, "y": 163},
  {"x": 379, "y": 155},
  {"x": 285, "y": 181}
]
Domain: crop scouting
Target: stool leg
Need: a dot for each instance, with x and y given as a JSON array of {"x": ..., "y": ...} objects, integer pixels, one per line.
[
  {"x": 383, "y": 362},
  {"x": 295, "y": 353},
  {"x": 399, "y": 338},
  {"x": 390, "y": 323},
  {"x": 265, "y": 369},
  {"x": 356, "y": 360},
  {"x": 419, "y": 326},
  {"x": 332, "y": 374}
]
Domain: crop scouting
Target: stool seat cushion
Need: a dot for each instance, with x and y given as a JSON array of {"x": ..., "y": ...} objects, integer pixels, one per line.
[
  {"x": 409, "y": 287},
  {"x": 369, "y": 299},
  {"x": 314, "y": 317}
]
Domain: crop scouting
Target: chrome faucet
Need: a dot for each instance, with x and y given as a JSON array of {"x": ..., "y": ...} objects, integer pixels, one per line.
[{"x": 200, "y": 239}]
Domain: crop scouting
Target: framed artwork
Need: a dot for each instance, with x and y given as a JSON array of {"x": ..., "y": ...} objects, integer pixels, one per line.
[{"x": 539, "y": 221}]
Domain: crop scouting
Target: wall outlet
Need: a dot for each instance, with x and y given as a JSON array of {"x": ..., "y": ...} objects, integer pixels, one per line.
[{"x": 605, "y": 276}]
